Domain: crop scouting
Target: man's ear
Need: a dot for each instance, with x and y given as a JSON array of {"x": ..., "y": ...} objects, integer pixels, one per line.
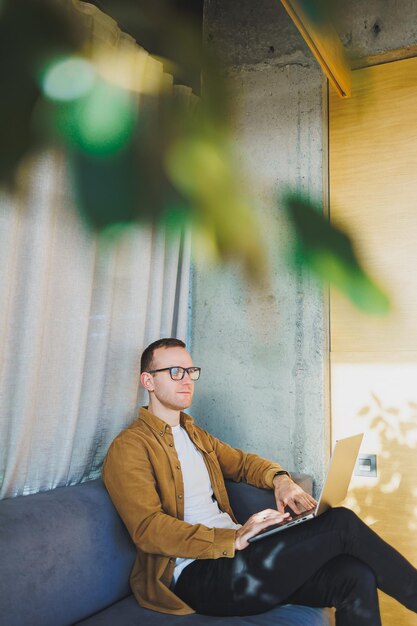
[{"x": 146, "y": 380}]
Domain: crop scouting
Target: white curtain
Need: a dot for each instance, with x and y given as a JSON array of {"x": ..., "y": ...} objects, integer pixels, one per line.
[{"x": 75, "y": 315}]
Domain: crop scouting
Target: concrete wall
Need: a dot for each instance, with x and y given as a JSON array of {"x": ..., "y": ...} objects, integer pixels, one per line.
[
  {"x": 262, "y": 351},
  {"x": 377, "y": 26},
  {"x": 264, "y": 354}
]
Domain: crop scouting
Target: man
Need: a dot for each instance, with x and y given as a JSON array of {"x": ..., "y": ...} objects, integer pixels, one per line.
[{"x": 165, "y": 476}]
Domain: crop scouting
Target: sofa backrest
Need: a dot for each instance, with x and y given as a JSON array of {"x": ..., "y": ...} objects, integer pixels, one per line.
[{"x": 64, "y": 554}]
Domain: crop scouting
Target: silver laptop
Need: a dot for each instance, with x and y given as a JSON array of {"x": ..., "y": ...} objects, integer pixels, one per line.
[{"x": 335, "y": 487}]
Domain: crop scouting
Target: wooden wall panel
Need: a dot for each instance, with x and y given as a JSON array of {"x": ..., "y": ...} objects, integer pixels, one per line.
[{"x": 373, "y": 193}]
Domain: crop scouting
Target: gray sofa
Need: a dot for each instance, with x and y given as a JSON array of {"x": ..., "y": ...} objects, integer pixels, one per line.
[{"x": 65, "y": 558}]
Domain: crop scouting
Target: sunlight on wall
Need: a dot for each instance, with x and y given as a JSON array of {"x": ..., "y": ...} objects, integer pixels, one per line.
[{"x": 376, "y": 393}]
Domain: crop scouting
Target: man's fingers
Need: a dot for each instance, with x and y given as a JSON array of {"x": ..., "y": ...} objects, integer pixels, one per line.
[
  {"x": 256, "y": 523},
  {"x": 267, "y": 517},
  {"x": 270, "y": 521},
  {"x": 293, "y": 505},
  {"x": 271, "y": 516},
  {"x": 310, "y": 502},
  {"x": 301, "y": 504},
  {"x": 265, "y": 513},
  {"x": 280, "y": 506},
  {"x": 294, "y": 496}
]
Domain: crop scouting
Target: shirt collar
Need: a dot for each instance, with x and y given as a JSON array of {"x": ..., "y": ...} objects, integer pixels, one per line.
[{"x": 159, "y": 425}]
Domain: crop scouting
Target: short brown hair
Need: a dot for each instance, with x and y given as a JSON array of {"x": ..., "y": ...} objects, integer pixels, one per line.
[{"x": 147, "y": 354}]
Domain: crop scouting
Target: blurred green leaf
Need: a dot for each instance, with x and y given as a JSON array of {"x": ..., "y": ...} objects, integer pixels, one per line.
[
  {"x": 128, "y": 182},
  {"x": 148, "y": 155},
  {"x": 67, "y": 78},
  {"x": 329, "y": 253},
  {"x": 106, "y": 188},
  {"x": 135, "y": 155},
  {"x": 101, "y": 122}
]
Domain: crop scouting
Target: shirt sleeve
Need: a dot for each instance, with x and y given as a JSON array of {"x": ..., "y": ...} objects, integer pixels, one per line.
[
  {"x": 243, "y": 466},
  {"x": 130, "y": 479}
]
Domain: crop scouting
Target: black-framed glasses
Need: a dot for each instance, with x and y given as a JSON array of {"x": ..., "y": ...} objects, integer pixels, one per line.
[{"x": 178, "y": 373}]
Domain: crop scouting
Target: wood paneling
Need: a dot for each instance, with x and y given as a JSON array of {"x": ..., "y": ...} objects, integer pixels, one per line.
[{"x": 373, "y": 193}]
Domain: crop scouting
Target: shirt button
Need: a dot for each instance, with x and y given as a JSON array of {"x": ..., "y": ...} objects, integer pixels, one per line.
[
  {"x": 180, "y": 497},
  {"x": 224, "y": 553},
  {"x": 178, "y": 466},
  {"x": 171, "y": 445},
  {"x": 161, "y": 433}
]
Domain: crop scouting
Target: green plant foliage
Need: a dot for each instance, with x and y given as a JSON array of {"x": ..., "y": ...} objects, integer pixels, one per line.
[
  {"x": 329, "y": 253},
  {"x": 68, "y": 78},
  {"x": 100, "y": 122},
  {"x": 147, "y": 156}
]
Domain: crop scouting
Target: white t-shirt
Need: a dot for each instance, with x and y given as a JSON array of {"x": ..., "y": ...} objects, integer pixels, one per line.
[{"x": 200, "y": 505}]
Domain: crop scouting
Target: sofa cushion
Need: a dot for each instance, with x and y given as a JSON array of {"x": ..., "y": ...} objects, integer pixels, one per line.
[
  {"x": 128, "y": 613},
  {"x": 64, "y": 554}
]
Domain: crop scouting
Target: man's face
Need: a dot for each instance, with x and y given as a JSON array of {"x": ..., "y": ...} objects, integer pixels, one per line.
[{"x": 172, "y": 394}]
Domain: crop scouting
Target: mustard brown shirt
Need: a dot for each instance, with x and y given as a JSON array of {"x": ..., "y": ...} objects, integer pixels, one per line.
[{"x": 143, "y": 476}]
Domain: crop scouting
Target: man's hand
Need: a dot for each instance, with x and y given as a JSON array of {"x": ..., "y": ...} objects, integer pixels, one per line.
[
  {"x": 255, "y": 524},
  {"x": 288, "y": 493}
]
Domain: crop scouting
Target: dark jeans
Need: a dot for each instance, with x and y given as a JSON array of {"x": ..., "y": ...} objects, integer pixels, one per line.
[{"x": 335, "y": 560}]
